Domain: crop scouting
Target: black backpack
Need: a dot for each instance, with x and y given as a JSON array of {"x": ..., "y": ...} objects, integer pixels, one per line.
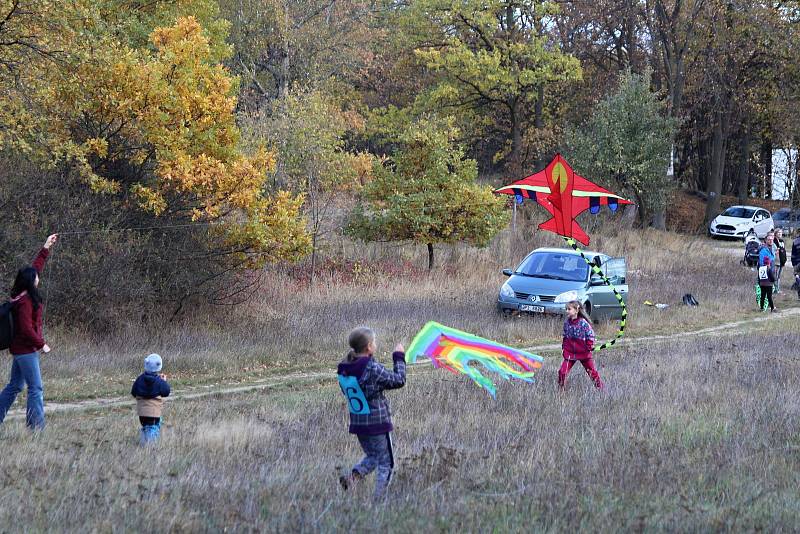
[
  {"x": 6, "y": 324},
  {"x": 689, "y": 300}
]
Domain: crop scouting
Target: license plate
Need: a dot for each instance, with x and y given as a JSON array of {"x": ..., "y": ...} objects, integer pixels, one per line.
[
  {"x": 529, "y": 308},
  {"x": 725, "y": 231}
]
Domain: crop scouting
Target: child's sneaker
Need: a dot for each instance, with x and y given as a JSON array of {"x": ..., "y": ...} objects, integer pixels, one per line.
[
  {"x": 150, "y": 434},
  {"x": 348, "y": 480}
]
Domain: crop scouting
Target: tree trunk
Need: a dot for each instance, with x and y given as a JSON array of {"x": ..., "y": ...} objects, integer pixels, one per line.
[
  {"x": 714, "y": 187},
  {"x": 642, "y": 215},
  {"x": 313, "y": 256},
  {"x": 743, "y": 172},
  {"x": 766, "y": 169},
  {"x": 515, "y": 168},
  {"x": 538, "y": 122},
  {"x": 430, "y": 256},
  {"x": 285, "y": 62},
  {"x": 702, "y": 166},
  {"x": 796, "y": 183},
  {"x": 631, "y": 27},
  {"x": 660, "y": 219}
]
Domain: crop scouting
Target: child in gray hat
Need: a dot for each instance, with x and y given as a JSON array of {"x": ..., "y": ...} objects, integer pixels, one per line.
[{"x": 150, "y": 388}]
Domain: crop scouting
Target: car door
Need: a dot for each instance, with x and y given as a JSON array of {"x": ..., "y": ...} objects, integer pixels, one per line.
[
  {"x": 766, "y": 222},
  {"x": 758, "y": 223},
  {"x": 604, "y": 302}
]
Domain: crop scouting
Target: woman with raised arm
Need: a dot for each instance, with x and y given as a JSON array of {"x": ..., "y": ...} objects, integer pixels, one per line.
[{"x": 27, "y": 341}]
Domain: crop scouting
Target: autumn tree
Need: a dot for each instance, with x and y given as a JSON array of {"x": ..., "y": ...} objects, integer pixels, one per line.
[
  {"x": 427, "y": 193},
  {"x": 628, "y": 139},
  {"x": 740, "y": 50},
  {"x": 495, "y": 64},
  {"x": 149, "y": 126},
  {"x": 280, "y": 43},
  {"x": 307, "y": 130}
]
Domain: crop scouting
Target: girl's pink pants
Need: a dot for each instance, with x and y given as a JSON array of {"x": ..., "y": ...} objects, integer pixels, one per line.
[{"x": 588, "y": 364}]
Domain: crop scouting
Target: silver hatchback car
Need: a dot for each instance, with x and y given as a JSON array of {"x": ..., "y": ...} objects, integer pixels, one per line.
[{"x": 548, "y": 278}]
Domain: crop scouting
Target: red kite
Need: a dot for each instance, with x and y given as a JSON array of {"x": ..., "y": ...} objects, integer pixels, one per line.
[{"x": 565, "y": 195}]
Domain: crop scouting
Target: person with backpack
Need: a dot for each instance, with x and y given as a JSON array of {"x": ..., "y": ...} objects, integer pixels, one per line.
[
  {"x": 766, "y": 278},
  {"x": 26, "y": 341},
  {"x": 363, "y": 382}
]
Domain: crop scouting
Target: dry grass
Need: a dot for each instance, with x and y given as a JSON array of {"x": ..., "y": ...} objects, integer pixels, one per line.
[
  {"x": 698, "y": 435},
  {"x": 291, "y": 325}
]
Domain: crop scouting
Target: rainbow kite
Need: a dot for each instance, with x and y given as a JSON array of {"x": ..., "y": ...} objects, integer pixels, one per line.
[{"x": 456, "y": 351}]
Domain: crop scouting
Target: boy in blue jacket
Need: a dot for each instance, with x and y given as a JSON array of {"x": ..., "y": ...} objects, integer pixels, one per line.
[{"x": 150, "y": 388}]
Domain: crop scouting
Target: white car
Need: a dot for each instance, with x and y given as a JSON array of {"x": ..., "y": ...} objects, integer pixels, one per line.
[{"x": 737, "y": 221}]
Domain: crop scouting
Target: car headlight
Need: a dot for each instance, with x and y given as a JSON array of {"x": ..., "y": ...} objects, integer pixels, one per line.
[
  {"x": 566, "y": 296},
  {"x": 506, "y": 291}
]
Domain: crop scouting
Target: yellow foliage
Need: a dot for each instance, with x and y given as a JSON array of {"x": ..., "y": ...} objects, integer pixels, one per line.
[
  {"x": 166, "y": 116},
  {"x": 363, "y": 165},
  {"x": 149, "y": 200}
]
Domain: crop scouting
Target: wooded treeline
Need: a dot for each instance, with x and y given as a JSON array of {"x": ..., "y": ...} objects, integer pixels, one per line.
[
  {"x": 515, "y": 74},
  {"x": 276, "y": 122}
]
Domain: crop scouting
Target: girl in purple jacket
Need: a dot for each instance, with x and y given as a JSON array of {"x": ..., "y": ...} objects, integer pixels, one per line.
[
  {"x": 363, "y": 381},
  {"x": 578, "y": 344}
]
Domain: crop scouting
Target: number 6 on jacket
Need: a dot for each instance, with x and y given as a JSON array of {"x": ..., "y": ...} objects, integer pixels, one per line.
[{"x": 356, "y": 400}]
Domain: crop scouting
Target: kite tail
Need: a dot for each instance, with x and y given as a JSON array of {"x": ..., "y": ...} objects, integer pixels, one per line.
[{"x": 596, "y": 270}]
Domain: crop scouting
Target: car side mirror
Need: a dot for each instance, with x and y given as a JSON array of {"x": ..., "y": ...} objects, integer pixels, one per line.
[
  {"x": 596, "y": 281},
  {"x": 508, "y": 272}
]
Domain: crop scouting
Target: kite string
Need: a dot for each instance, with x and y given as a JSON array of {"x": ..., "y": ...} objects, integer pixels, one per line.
[
  {"x": 596, "y": 270},
  {"x": 141, "y": 228}
]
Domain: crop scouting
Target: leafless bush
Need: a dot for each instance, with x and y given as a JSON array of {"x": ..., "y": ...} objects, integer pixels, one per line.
[{"x": 114, "y": 265}]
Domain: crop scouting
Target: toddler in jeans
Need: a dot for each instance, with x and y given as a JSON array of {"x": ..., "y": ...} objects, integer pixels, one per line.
[{"x": 150, "y": 388}]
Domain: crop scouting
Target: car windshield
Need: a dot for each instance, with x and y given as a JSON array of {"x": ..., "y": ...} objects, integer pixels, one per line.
[
  {"x": 739, "y": 212},
  {"x": 555, "y": 266}
]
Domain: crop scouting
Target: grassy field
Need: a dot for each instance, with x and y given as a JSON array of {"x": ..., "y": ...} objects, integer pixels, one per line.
[
  {"x": 695, "y": 435},
  {"x": 692, "y": 434},
  {"x": 293, "y": 326}
]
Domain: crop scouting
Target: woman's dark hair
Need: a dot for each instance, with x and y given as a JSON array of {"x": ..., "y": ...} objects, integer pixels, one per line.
[{"x": 26, "y": 281}]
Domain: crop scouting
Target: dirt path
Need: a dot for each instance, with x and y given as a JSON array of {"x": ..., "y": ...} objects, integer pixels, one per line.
[
  {"x": 727, "y": 328},
  {"x": 197, "y": 392}
]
